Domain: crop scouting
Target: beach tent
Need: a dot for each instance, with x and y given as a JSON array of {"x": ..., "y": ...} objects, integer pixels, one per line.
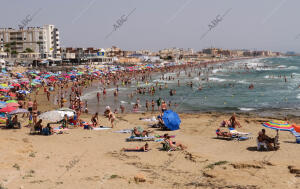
[
  {"x": 55, "y": 115},
  {"x": 171, "y": 120}
]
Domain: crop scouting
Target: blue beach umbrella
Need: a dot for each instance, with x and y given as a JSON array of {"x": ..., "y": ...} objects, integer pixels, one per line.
[
  {"x": 171, "y": 120},
  {"x": 23, "y": 92}
]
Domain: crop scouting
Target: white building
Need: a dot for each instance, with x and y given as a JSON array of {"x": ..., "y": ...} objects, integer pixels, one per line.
[{"x": 43, "y": 41}]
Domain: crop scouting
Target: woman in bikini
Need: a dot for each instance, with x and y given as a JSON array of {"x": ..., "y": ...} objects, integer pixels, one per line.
[
  {"x": 111, "y": 118},
  {"x": 139, "y": 134}
]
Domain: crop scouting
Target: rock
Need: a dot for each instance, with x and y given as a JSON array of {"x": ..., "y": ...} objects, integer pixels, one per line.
[
  {"x": 139, "y": 178},
  {"x": 294, "y": 170}
]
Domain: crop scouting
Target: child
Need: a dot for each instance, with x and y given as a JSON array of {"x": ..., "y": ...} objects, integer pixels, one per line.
[{"x": 30, "y": 121}]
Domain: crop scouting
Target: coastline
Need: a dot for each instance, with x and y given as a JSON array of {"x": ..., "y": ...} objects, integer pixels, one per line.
[{"x": 94, "y": 159}]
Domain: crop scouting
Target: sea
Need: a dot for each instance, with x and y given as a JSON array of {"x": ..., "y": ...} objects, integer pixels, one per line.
[{"x": 225, "y": 88}]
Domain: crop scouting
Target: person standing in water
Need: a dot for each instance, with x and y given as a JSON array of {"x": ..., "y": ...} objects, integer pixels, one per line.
[
  {"x": 98, "y": 97},
  {"x": 147, "y": 105}
]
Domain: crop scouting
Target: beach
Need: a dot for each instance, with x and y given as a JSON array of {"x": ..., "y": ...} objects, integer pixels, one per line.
[
  {"x": 80, "y": 158},
  {"x": 93, "y": 159}
]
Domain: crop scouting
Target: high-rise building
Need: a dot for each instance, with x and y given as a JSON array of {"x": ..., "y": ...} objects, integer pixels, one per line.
[{"x": 42, "y": 40}]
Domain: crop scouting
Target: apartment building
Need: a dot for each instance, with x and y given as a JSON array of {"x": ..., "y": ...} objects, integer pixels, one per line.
[{"x": 43, "y": 41}]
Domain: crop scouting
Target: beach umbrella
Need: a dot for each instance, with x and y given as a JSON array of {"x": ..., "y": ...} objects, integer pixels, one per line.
[
  {"x": 171, "y": 120},
  {"x": 12, "y": 94},
  {"x": 8, "y": 109},
  {"x": 23, "y": 92},
  {"x": 15, "y": 85},
  {"x": 278, "y": 125},
  {"x": 19, "y": 111},
  {"x": 13, "y": 104},
  {"x": 4, "y": 90}
]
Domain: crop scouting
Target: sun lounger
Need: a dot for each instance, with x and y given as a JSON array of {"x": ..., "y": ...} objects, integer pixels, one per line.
[
  {"x": 133, "y": 138},
  {"x": 58, "y": 129},
  {"x": 235, "y": 132},
  {"x": 231, "y": 136}
]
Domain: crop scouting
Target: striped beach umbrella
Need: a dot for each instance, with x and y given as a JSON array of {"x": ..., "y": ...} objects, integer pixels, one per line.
[{"x": 278, "y": 125}]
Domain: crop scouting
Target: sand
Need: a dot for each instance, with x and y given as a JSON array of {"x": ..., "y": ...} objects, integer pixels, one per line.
[{"x": 93, "y": 159}]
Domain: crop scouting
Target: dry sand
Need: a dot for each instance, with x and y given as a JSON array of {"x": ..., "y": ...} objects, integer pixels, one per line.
[{"x": 92, "y": 159}]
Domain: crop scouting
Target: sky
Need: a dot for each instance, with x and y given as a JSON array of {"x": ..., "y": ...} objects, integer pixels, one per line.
[{"x": 158, "y": 24}]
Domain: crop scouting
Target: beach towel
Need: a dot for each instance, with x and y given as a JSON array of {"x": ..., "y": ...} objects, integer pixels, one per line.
[
  {"x": 162, "y": 136},
  {"x": 153, "y": 119},
  {"x": 124, "y": 131},
  {"x": 58, "y": 129},
  {"x": 133, "y": 138},
  {"x": 101, "y": 128},
  {"x": 297, "y": 135},
  {"x": 135, "y": 150},
  {"x": 235, "y": 132}
]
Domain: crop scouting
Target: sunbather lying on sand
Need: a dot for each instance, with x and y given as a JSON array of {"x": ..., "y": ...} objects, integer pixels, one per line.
[
  {"x": 140, "y": 134},
  {"x": 223, "y": 133},
  {"x": 144, "y": 148}
]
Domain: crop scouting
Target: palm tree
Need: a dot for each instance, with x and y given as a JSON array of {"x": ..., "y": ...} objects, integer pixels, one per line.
[{"x": 7, "y": 49}]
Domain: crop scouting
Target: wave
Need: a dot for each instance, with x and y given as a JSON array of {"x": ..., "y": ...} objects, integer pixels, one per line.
[
  {"x": 89, "y": 95},
  {"x": 247, "y": 109},
  {"x": 216, "y": 70},
  {"x": 217, "y": 79},
  {"x": 281, "y": 66},
  {"x": 243, "y": 82},
  {"x": 292, "y": 68}
]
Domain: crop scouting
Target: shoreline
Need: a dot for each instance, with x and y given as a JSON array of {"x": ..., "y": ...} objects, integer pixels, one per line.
[{"x": 79, "y": 158}]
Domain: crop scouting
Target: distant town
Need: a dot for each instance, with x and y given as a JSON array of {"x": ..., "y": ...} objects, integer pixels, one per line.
[{"x": 40, "y": 46}]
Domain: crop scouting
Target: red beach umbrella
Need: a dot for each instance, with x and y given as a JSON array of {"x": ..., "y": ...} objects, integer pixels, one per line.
[
  {"x": 16, "y": 85},
  {"x": 4, "y": 90},
  {"x": 12, "y": 94},
  {"x": 8, "y": 109},
  {"x": 12, "y": 104}
]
